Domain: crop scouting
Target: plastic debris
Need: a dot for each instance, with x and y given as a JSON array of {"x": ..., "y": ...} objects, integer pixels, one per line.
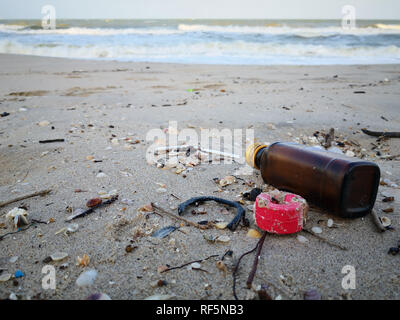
[
  {"x": 280, "y": 212},
  {"x": 86, "y": 278},
  {"x": 19, "y": 274}
]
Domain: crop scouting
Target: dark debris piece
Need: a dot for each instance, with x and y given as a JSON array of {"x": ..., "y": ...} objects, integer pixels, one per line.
[
  {"x": 252, "y": 195},
  {"x": 394, "y": 250},
  {"x": 240, "y": 215}
]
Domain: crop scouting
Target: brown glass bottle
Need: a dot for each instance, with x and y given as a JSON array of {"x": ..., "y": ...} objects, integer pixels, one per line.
[{"x": 344, "y": 186}]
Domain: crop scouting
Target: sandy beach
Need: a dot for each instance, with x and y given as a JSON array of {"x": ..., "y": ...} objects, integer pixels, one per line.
[{"x": 103, "y": 111}]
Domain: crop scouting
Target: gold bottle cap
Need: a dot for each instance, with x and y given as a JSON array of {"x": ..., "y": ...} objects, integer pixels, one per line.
[{"x": 251, "y": 152}]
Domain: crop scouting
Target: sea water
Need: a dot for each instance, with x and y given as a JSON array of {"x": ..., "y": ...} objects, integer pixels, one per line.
[{"x": 265, "y": 42}]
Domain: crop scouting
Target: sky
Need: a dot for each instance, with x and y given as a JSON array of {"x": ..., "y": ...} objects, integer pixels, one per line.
[{"x": 200, "y": 9}]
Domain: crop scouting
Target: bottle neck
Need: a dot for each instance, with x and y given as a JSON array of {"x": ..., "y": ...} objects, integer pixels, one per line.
[{"x": 257, "y": 158}]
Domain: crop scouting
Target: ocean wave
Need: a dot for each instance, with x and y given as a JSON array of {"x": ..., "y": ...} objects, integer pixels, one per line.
[
  {"x": 199, "y": 28},
  {"x": 211, "y": 52},
  {"x": 287, "y": 30},
  {"x": 387, "y": 26}
]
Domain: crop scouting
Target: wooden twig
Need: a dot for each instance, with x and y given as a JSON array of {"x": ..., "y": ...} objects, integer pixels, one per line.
[
  {"x": 237, "y": 268},
  {"x": 377, "y": 221},
  {"x": 255, "y": 263},
  {"x": 176, "y": 217},
  {"x": 30, "y": 195},
  {"x": 188, "y": 263},
  {"x": 333, "y": 244},
  {"x": 381, "y": 133}
]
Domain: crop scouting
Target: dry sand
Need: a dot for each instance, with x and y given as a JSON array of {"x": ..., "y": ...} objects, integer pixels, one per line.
[{"x": 82, "y": 99}]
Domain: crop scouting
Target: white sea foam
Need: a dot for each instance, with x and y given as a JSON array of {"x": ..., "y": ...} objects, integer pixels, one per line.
[
  {"x": 213, "y": 52},
  {"x": 210, "y": 43}
]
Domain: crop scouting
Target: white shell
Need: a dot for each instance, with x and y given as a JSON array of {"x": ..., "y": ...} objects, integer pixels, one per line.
[
  {"x": 302, "y": 239},
  {"x": 73, "y": 228},
  {"x": 223, "y": 239},
  {"x": 330, "y": 223},
  {"x": 58, "y": 256},
  {"x": 316, "y": 229},
  {"x": 5, "y": 277},
  {"x": 16, "y": 212},
  {"x": 195, "y": 265},
  {"x": 386, "y": 222}
]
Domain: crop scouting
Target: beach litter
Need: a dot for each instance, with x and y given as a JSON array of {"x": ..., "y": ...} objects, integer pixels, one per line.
[
  {"x": 240, "y": 215},
  {"x": 95, "y": 204}
]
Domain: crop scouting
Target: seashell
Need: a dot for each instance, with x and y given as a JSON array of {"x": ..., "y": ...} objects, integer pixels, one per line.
[
  {"x": 302, "y": 239},
  {"x": 12, "y": 296},
  {"x": 330, "y": 223},
  {"x": 221, "y": 225},
  {"x": 20, "y": 221},
  {"x": 350, "y": 153},
  {"x": 253, "y": 233},
  {"x": 161, "y": 190},
  {"x": 221, "y": 266},
  {"x": 5, "y": 277},
  {"x": 163, "y": 232},
  {"x": 223, "y": 239},
  {"x": 227, "y": 181},
  {"x": 98, "y": 296},
  {"x": 161, "y": 269},
  {"x": 72, "y": 228},
  {"x": 93, "y": 202},
  {"x": 58, "y": 256},
  {"x": 16, "y": 212},
  {"x": 210, "y": 238},
  {"x": 84, "y": 261},
  {"x": 316, "y": 229},
  {"x": 386, "y": 222},
  {"x": 146, "y": 208},
  {"x": 195, "y": 265},
  {"x": 86, "y": 278},
  {"x": 43, "y": 123},
  {"x": 101, "y": 175},
  {"x": 13, "y": 259}
]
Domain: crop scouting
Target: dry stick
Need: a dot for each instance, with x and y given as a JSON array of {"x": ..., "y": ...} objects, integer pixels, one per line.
[
  {"x": 194, "y": 224},
  {"x": 35, "y": 194},
  {"x": 325, "y": 240},
  {"x": 186, "y": 264},
  {"x": 377, "y": 221},
  {"x": 255, "y": 263},
  {"x": 381, "y": 133},
  {"x": 236, "y": 269}
]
